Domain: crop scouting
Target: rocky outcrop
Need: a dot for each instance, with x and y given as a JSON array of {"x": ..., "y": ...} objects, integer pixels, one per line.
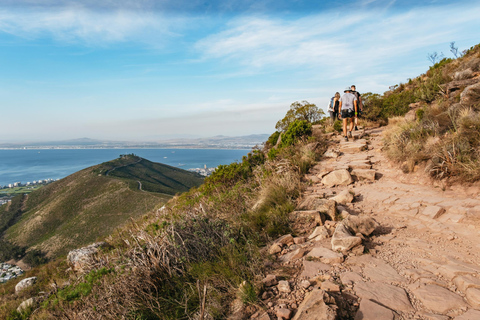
[
  {"x": 25, "y": 283},
  {"x": 337, "y": 178},
  {"x": 314, "y": 307},
  {"x": 81, "y": 259}
]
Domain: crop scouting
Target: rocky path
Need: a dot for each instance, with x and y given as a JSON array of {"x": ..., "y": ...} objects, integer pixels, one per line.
[{"x": 378, "y": 244}]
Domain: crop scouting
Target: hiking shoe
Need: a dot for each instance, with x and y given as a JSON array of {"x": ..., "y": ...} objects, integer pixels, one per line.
[
  {"x": 350, "y": 134},
  {"x": 346, "y": 138},
  {"x": 356, "y": 128}
]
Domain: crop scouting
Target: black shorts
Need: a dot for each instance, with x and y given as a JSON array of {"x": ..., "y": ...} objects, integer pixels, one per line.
[{"x": 348, "y": 113}]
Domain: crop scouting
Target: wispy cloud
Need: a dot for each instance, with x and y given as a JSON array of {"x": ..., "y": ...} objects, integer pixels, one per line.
[
  {"x": 332, "y": 41},
  {"x": 77, "y": 24}
]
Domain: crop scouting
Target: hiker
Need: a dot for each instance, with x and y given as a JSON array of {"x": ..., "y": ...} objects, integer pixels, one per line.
[
  {"x": 348, "y": 111},
  {"x": 333, "y": 107},
  {"x": 359, "y": 104}
]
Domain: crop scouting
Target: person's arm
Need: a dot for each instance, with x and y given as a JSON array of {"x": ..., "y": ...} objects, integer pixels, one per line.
[
  {"x": 339, "y": 109},
  {"x": 356, "y": 107}
]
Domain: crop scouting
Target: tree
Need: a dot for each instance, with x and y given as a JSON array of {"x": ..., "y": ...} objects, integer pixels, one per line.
[
  {"x": 300, "y": 111},
  {"x": 435, "y": 57},
  {"x": 454, "y": 49}
]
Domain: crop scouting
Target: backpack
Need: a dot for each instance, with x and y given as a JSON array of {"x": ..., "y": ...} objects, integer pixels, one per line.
[{"x": 331, "y": 105}]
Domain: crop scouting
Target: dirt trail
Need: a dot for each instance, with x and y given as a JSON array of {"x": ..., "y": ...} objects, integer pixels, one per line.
[{"x": 421, "y": 262}]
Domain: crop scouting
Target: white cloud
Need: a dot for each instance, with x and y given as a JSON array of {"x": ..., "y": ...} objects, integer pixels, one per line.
[
  {"x": 76, "y": 24},
  {"x": 345, "y": 43}
]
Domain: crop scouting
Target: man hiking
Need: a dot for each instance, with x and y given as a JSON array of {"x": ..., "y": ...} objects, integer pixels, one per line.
[
  {"x": 359, "y": 104},
  {"x": 348, "y": 110}
]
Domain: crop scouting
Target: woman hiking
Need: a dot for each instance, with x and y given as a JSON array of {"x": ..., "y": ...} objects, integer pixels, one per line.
[{"x": 333, "y": 107}]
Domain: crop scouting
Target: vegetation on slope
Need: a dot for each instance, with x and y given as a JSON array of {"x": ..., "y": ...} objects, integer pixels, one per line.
[
  {"x": 88, "y": 205},
  {"x": 445, "y": 133}
]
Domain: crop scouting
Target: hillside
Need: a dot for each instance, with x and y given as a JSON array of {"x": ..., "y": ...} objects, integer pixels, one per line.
[{"x": 91, "y": 203}]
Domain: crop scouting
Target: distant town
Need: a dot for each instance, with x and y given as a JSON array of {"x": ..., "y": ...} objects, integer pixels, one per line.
[
  {"x": 203, "y": 171},
  {"x": 10, "y": 190}
]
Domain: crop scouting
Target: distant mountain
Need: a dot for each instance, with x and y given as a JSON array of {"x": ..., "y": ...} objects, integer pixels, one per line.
[
  {"x": 91, "y": 203},
  {"x": 221, "y": 141}
]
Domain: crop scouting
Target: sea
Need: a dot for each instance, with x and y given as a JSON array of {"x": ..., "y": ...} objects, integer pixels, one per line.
[{"x": 24, "y": 166}]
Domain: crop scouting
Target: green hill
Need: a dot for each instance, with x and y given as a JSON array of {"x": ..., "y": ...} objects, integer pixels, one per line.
[{"x": 91, "y": 203}]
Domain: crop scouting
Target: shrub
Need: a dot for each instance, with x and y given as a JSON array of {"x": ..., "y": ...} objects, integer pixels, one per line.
[
  {"x": 296, "y": 130},
  {"x": 272, "y": 140}
]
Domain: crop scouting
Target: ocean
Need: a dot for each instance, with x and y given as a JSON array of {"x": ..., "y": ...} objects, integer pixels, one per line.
[{"x": 32, "y": 164}]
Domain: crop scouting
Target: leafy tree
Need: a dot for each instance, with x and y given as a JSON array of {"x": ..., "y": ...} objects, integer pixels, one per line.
[{"x": 300, "y": 111}]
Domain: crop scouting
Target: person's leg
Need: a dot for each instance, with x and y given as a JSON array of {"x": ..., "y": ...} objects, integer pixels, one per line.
[
  {"x": 351, "y": 125},
  {"x": 344, "y": 127}
]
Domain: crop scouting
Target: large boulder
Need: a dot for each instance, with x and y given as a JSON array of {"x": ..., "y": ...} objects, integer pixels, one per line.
[
  {"x": 328, "y": 207},
  {"x": 25, "y": 283},
  {"x": 80, "y": 259},
  {"x": 471, "y": 94},
  {"x": 344, "y": 197},
  {"x": 343, "y": 240},
  {"x": 27, "y": 304},
  {"x": 337, "y": 178},
  {"x": 314, "y": 307},
  {"x": 360, "y": 224}
]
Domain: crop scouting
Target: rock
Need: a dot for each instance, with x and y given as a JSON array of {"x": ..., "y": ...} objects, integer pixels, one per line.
[
  {"x": 382, "y": 272},
  {"x": 319, "y": 233},
  {"x": 360, "y": 224},
  {"x": 438, "y": 299},
  {"x": 358, "y": 250},
  {"x": 25, "y": 283},
  {"x": 284, "y": 313},
  {"x": 364, "y": 174},
  {"x": 80, "y": 259},
  {"x": 325, "y": 255},
  {"x": 359, "y": 165},
  {"x": 285, "y": 240},
  {"x": 466, "y": 281},
  {"x": 325, "y": 206},
  {"x": 329, "y": 286},
  {"x": 309, "y": 216},
  {"x": 264, "y": 316},
  {"x": 370, "y": 310},
  {"x": 270, "y": 280},
  {"x": 433, "y": 211},
  {"x": 471, "y": 94},
  {"x": 432, "y": 316},
  {"x": 313, "y": 307},
  {"x": 344, "y": 197},
  {"x": 337, "y": 178},
  {"x": 350, "y": 277},
  {"x": 299, "y": 240},
  {"x": 275, "y": 248},
  {"x": 312, "y": 268},
  {"x": 331, "y": 154},
  {"x": 284, "y": 286},
  {"x": 29, "y": 303},
  {"x": 469, "y": 315},
  {"x": 354, "y": 147},
  {"x": 387, "y": 295},
  {"x": 473, "y": 297},
  {"x": 293, "y": 256},
  {"x": 305, "y": 284},
  {"x": 411, "y": 115},
  {"x": 343, "y": 240}
]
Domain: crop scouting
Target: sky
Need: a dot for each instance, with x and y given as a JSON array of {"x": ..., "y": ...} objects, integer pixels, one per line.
[{"x": 150, "y": 70}]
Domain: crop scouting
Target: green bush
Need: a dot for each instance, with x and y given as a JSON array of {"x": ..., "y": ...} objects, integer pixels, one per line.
[
  {"x": 296, "y": 130},
  {"x": 272, "y": 140}
]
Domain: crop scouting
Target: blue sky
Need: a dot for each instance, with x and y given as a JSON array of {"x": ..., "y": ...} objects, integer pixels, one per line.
[{"x": 147, "y": 70}]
